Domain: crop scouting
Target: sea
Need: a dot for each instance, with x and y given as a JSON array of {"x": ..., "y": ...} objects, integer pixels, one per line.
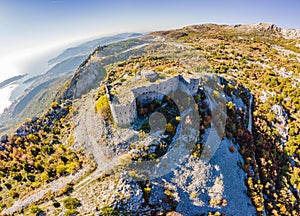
[{"x": 30, "y": 63}]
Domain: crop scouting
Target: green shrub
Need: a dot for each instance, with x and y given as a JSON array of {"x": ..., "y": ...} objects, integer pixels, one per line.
[
  {"x": 197, "y": 98},
  {"x": 170, "y": 128},
  {"x": 8, "y": 186},
  {"x": 71, "y": 203},
  {"x": 31, "y": 177},
  {"x": 71, "y": 212},
  {"x": 35, "y": 210},
  {"x": 33, "y": 138},
  {"x": 56, "y": 204},
  {"x": 108, "y": 211},
  {"x": 230, "y": 105}
]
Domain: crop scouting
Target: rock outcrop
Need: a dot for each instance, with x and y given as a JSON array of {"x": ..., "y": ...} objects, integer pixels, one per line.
[{"x": 86, "y": 77}]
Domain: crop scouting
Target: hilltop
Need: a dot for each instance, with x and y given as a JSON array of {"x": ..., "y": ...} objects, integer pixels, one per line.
[{"x": 202, "y": 120}]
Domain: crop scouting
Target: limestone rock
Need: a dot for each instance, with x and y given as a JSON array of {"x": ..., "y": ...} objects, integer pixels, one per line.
[
  {"x": 149, "y": 74},
  {"x": 128, "y": 196}
]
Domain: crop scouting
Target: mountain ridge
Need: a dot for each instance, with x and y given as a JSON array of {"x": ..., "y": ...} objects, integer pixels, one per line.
[
  {"x": 61, "y": 70},
  {"x": 88, "y": 47},
  {"x": 259, "y": 96},
  {"x": 287, "y": 33}
]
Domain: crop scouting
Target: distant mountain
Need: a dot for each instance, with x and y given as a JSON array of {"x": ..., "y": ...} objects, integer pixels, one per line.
[
  {"x": 43, "y": 86},
  {"x": 88, "y": 47},
  {"x": 67, "y": 65},
  {"x": 11, "y": 80}
]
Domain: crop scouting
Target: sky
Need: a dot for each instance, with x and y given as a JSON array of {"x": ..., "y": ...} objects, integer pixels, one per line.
[{"x": 29, "y": 27}]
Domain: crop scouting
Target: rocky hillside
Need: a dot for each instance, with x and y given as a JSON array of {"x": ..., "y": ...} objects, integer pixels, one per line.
[
  {"x": 231, "y": 148},
  {"x": 34, "y": 94},
  {"x": 271, "y": 28}
]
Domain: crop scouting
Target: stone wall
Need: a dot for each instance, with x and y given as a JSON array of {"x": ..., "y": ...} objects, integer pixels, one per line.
[
  {"x": 156, "y": 90},
  {"x": 124, "y": 114}
]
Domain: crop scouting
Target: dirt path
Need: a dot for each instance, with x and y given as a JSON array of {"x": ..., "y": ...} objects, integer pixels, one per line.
[
  {"x": 86, "y": 122},
  {"x": 54, "y": 186},
  {"x": 89, "y": 128}
]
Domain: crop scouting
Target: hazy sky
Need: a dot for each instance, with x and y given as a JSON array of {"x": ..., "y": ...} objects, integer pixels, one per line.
[{"x": 40, "y": 24}]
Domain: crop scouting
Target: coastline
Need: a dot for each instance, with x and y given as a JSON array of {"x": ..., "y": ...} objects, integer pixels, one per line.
[{"x": 5, "y": 94}]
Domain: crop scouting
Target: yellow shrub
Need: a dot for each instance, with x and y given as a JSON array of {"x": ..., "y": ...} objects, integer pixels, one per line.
[{"x": 102, "y": 107}]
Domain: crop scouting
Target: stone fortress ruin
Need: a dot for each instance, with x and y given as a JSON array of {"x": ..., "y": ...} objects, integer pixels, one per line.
[{"x": 144, "y": 88}]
